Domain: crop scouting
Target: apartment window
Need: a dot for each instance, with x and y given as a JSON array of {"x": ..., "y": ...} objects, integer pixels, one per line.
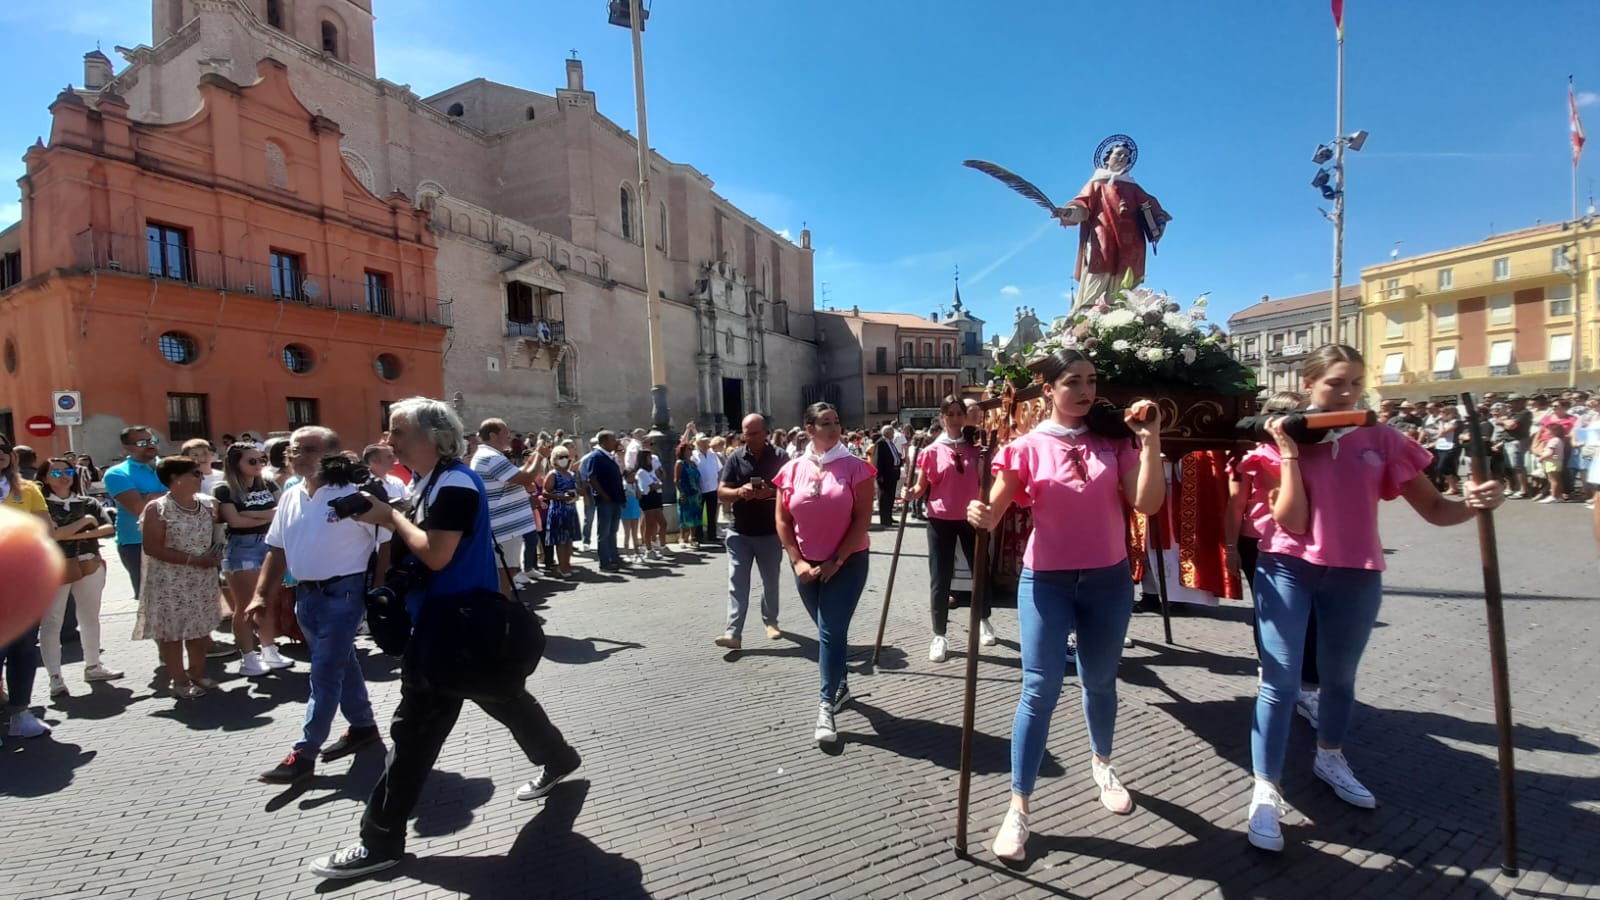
[
  {"x": 1500, "y": 358},
  {"x": 330, "y": 39},
  {"x": 1249, "y": 347},
  {"x": 519, "y": 303},
  {"x": 949, "y": 387},
  {"x": 383, "y": 415},
  {"x": 1392, "y": 288},
  {"x": 910, "y": 398},
  {"x": 186, "y": 417},
  {"x": 567, "y": 376},
  {"x": 1444, "y": 363},
  {"x": 1558, "y": 259},
  {"x": 10, "y": 269},
  {"x": 1444, "y": 316},
  {"x": 1560, "y": 297},
  {"x": 288, "y": 274},
  {"x": 302, "y": 412},
  {"x": 1447, "y": 279},
  {"x": 178, "y": 348},
  {"x": 297, "y": 358},
  {"x": 1560, "y": 352},
  {"x": 1500, "y": 309},
  {"x": 1393, "y": 327},
  {"x": 910, "y": 352},
  {"x": 949, "y": 355},
  {"x": 1502, "y": 269},
  {"x": 969, "y": 344},
  {"x": 1394, "y": 365},
  {"x": 168, "y": 251},
  {"x": 380, "y": 301},
  {"x": 1302, "y": 336},
  {"x": 882, "y": 361},
  {"x": 883, "y": 399}
]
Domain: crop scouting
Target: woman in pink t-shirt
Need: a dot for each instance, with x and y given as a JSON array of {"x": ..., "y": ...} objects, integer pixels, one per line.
[
  {"x": 824, "y": 507},
  {"x": 1321, "y": 551},
  {"x": 948, "y": 476},
  {"x": 1075, "y": 574}
]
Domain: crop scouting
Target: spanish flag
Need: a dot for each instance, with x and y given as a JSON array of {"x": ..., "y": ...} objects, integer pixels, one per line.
[
  {"x": 1574, "y": 123},
  {"x": 1338, "y": 18}
]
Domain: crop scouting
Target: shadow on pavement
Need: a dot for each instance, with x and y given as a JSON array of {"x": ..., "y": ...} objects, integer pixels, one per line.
[
  {"x": 103, "y": 701},
  {"x": 578, "y": 651},
  {"x": 35, "y": 767},
  {"x": 223, "y": 708},
  {"x": 548, "y": 859},
  {"x": 1436, "y": 594},
  {"x": 936, "y": 742}
]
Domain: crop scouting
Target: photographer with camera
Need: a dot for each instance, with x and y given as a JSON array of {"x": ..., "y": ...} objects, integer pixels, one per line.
[
  {"x": 446, "y": 571},
  {"x": 329, "y": 556}
]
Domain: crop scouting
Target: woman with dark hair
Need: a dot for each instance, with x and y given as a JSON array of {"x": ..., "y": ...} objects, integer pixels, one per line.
[
  {"x": 1321, "y": 552},
  {"x": 690, "y": 512},
  {"x": 178, "y": 593},
  {"x": 653, "y": 533},
  {"x": 1075, "y": 574},
  {"x": 825, "y": 499},
  {"x": 277, "y": 470},
  {"x": 246, "y": 503},
  {"x": 78, "y": 523},
  {"x": 948, "y": 476}
]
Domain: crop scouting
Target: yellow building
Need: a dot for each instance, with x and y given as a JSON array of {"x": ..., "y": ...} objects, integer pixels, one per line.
[{"x": 1515, "y": 312}]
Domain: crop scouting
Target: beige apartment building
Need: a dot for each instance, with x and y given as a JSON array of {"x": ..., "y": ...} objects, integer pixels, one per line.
[
  {"x": 533, "y": 201},
  {"x": 1514, "y": 312},
  {"x": 1274, "y": 336},
  {"x": 881, "y": 367}
]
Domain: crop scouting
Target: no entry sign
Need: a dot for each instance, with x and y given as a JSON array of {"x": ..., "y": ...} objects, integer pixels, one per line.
[{"x": 40, "y": 426}]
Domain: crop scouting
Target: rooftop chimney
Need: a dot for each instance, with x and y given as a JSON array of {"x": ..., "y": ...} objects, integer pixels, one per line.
[
  {"x": 574, "y": 74},
  {"x": 855, "y": 310},
  {"x": 96, "y": 70},
  {"x": 933, "y": 316}
]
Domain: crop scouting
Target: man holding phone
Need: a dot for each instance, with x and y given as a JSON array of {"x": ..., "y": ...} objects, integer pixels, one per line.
[{"x": 753, "y": 534}]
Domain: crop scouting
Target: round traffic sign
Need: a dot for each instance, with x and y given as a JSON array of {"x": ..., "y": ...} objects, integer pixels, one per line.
[
  {"x": 67, "y": 402},
  {"x": 40, "y": 426}
]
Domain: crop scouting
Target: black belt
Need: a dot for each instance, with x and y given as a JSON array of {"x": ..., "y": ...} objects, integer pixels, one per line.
[{"x": 319, "y": 585}]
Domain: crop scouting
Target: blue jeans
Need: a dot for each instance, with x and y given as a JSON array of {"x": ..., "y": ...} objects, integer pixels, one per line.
[
  {"x": 20, "y": 658},
  {"x": 132, "y": 556},
  {"x": 588, "y": 520},
  {"x": 608, "y": 515},
  {"x": 830, "y": 604},
  {"x": 1096, "y": 603},
  {"x": 746, "y": 552},
  {"x": 329, "y": 616},
  {"x": 1346, "y": 602}
]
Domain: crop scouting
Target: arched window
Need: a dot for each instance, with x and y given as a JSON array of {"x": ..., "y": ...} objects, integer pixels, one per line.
[
  {"x": 275, "y": 13},
  {"x": 330, "y": 38},
  {"x": 456, "y": 111},
  {"x": 626, "y": 206},
  {"x": 566, "y": 375},
  {"x": 661, "y": 231},
  {"x": 532, "y": 114}
]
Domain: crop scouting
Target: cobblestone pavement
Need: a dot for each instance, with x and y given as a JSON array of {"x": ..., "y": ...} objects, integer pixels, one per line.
[{"x": 701, "y": 779}]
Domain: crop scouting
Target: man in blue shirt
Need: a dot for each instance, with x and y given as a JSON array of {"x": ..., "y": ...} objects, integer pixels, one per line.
[
  {"x": 132, "y": 483},
  {"x": 603, "y": 478}
]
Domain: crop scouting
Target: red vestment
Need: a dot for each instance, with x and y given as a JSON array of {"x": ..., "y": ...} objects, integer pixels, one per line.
[{"x": 1110, "y": 241}]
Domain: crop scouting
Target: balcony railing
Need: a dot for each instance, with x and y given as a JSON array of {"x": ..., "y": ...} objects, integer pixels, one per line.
[
  {"x": 138, "y": 255},
  {"x": 927, "y": 362},
  {"x": 550, "y": 331}
]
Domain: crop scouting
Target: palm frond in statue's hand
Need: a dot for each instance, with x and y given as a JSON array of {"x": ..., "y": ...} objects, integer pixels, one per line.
[{"x": 1017, "y": 183}]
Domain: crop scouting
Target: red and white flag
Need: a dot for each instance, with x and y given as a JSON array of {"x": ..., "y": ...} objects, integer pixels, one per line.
[
  {"x": 1575, "y": 122},
  {"x": 1338, "y": 18}
]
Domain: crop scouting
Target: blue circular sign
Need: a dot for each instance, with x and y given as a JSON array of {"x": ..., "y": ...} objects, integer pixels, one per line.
[{"x": 67, "y": 402}]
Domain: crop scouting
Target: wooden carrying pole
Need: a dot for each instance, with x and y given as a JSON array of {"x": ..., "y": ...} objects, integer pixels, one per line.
[
  {"x": 894, "y": 561},
  {"x": 1497, "y": 643},
  {"x": 1152, "y": 537},
  {"x": 969, "y": 700}
]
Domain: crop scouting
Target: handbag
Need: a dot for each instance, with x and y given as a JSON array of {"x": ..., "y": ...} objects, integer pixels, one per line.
[
  {"x": 78, "y": 569},
  {"x": 475, "y": 646}
]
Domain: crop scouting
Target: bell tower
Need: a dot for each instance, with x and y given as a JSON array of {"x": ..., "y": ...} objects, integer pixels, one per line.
[{"x": 338, "y": 29}]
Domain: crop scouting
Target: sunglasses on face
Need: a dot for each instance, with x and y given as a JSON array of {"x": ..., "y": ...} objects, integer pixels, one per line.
[
  {"x": 255, "y": 461},
  {"x": 147, "y": 442},
  {"x": 63, "y": 473}
]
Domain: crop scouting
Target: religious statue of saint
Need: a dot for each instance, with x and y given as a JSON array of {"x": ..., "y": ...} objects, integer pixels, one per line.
[{"x": 1115, "y": 217}]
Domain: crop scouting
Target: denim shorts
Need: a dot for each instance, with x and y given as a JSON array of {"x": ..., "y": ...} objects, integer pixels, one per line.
[{"x": 244, "y": 553}]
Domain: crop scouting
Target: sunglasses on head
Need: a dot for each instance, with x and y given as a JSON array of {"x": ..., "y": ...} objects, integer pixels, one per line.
[{"x": 63, "y": 473}]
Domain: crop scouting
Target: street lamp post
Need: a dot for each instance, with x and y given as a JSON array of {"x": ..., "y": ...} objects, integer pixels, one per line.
[{"x": 629, "y": 14}]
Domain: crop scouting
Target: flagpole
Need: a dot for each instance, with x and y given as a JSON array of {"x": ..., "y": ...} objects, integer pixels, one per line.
[{"x": 1338, "y": 174}]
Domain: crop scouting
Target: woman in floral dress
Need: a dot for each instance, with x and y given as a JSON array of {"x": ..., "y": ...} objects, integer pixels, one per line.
[
  {"x": 689, "y": 511},
  {"x": 561, "y": 526},
  {"x": 178, "y": 594}
]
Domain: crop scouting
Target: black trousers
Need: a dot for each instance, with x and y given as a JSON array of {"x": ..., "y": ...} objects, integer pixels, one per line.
[
  {"x": 419, "y": 728},
  {"x": 706, "y": 531},
  {"x": 886, "y": 502},
  {"x": 943, "y": 534},
  {"x": 1249, "y": 552}
]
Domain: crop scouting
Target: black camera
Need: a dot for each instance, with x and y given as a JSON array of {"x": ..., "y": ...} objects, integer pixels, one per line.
[
  {"x": 341, "y": 471},
  {"x": 350, "y": 505},
  {"x": 387, "y": 617}
]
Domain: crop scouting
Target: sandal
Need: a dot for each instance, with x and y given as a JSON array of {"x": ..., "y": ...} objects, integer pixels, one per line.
[
  {"x": 202, "y": 682},
  {"x": 188, "y": 692}
]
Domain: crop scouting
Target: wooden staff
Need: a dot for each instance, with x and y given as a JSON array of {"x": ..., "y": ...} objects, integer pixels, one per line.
[
  {"x": 1487, "y": 549},
  {"x": 980, "y": 599},
  {"x": 894, "y": 561},
  {"x": 1152, "y": 536}
]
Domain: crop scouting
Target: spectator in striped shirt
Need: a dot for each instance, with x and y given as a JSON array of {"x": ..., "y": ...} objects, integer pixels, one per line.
[{"x": 506, "y": 483}]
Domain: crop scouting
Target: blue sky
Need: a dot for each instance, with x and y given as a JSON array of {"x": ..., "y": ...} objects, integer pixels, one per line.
[{"x": 854, "y": 117}]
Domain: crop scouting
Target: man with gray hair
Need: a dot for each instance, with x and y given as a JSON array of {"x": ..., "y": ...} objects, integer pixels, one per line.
[
  {"x": 600, "y": 476},
  {"x": 753, "y": 534},
  {"x": 329, "y": 556}
]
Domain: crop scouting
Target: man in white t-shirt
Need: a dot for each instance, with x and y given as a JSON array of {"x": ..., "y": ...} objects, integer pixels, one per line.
[
  {"x": 710, "y": 478},
  {"x": 329, "y": 557},
  {"x": 510, "y": 510},
  {"x": 379, "y": 460}
]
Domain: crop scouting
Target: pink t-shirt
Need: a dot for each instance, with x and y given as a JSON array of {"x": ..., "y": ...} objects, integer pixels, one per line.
[
  {"x": 1261, "y": 467},
  {"x": 1343, "y": 493},
  {"x": 1075, "y": 490},
  {"x": 950, "y": 489},
  {"x": 821, "y": 502}
]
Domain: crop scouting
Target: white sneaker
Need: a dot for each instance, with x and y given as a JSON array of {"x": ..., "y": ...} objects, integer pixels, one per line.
[
  {"x": 1113, "y": 796},
  {"x": 1515, "y": 495},
  {"x": 99, "y": 672},
  {"x": 272, "y": 659},
  {"x": 1550, "y": 499},
  {"x": 1011, "y": 840},
  {"x": 24, "y": 725},
  {"x": 1332, "y": 768},
  {"x": 938, "y": 649},
  {"x": 58, "y": 686},
  {"x": 1309, "y": 705},
  {"x": 251, "y": 666},
  {"x": 986, "y": 636},
  {"x": 825, "y": 733},
  {"x": 1266, "y": 808}
]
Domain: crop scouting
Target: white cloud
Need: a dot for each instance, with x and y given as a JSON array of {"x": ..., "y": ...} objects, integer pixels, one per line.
[
  {"x": 784, "y": 233},
  {"x": 1011, "y": 290},
  {"x": 10, "y": 213},
  {"x": 1066, "y": 295},
  {"x": 1588, "y": 98}
]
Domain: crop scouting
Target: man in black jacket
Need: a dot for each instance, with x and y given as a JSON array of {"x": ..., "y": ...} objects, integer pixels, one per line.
[{"x": 886, "y": 459}]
